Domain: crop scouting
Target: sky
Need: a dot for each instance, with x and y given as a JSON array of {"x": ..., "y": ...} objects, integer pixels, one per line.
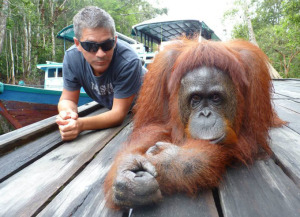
[{"x": 209, "y": 11}]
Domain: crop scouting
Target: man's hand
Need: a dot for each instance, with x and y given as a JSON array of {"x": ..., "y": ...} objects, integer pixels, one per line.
[
  {"x": 135, "y": 183},
  {"x": 65, "y": 115},
  {"x": 69, "y": 125}
]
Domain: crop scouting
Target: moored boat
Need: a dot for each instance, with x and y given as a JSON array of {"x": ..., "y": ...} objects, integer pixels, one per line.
[{"x": 22, "y": 105}]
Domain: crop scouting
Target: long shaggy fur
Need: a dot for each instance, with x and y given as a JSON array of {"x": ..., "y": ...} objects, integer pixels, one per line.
[
  {"x": 247, "y": 66},
  {"x": 157, "y": 116}
]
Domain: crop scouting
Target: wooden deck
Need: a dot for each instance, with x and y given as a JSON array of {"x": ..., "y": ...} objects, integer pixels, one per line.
[{"x": 42, "y": 176}]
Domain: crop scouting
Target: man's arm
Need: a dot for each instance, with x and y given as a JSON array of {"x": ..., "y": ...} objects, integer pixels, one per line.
[
  {"x": 71, "y": 127},
  {"x": 67, "y": 106},
  {"x": 111, "y": 118},
  {"x": 67, "y": 111}
]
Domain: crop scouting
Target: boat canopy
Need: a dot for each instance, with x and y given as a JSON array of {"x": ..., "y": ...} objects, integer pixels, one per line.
[
  {"x": 66, "y": 33},
  {"x": 48, "y": 65},
  {"x": 163, "y": 29}
]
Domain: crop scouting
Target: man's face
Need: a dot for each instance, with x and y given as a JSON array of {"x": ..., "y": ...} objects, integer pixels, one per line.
[{"x": 100, "y": 59}]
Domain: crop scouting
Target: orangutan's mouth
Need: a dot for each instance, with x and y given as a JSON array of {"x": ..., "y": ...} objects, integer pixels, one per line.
[{"x": 217, "y": 140}]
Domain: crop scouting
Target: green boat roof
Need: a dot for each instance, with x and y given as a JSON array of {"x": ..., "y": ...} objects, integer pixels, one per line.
[
  {"x": 49, "y": 65},
  {"x": 164, "y": 29},
  {"x": 66, "y": 33}
]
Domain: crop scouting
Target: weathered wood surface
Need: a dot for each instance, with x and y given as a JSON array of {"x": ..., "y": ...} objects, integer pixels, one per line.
[
  {"x": 260, "y": 190},
  {"x": 84, "y": 196},
  {"x": 40, "y": 175},
  {"x": 181, "y": 205},
  {"x": 12, "y": 139},
  {"x": 285, "y": 144},
  {"x": 27, "y": 150},
  {"x": 26, "y": 191},
  {"x": 288, "y": 87},
  {"x": 270, "y": 187}
]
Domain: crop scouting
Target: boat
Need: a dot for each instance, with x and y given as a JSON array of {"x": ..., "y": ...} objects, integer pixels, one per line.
[
  {"x": 21, "y": 105},
  {"x": 162, "y": 30}
]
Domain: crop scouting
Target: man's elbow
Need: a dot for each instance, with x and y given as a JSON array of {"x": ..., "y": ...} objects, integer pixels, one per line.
[
  {"x": 119, "y": 121},
  {"x": 119, "y": 118}
]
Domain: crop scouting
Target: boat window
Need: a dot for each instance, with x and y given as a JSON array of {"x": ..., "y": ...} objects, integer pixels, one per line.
[
  {"x": 51, "y": 73},
  {"x": 59, "y": 72}
]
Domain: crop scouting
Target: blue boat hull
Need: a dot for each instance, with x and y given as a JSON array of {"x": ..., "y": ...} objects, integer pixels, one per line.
[{"x": 36, "y": 95}]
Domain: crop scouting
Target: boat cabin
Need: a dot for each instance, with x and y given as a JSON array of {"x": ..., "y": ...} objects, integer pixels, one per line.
[{"x": 53, "y": 75}]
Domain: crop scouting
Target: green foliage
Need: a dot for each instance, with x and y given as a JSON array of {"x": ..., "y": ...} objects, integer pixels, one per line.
[
  {"x": 291, "y": 10},
  {"x": 276, "y": 25},
  {"x": 240, "y": 31},
  {"x": 34, "y": 16}
]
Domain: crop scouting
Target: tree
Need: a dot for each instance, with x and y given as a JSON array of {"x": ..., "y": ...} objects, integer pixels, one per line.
[
  {"x": 28, "y": 30},
  {"x": 247, "y": 19},
  {"x": 276, "y": 26},
  {"x": 3, "y": 17}
]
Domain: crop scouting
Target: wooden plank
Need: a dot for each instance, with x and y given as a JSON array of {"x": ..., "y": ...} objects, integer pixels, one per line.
[
  {"x": 84, "y": 196},
  {"x": 179, "y": 205},
  {"x": 15, "y": 160},
  {"x": 295, "y": 83},
  {"x": 278, "y": 96},
  {"x": 285, "y": 144},
  {"x": 287, "y": 88},
  {"x": 18, "y": 137},
  {"x": 25, "y": 192},
  {"x": 260, "y": 190},
  {"x": 27, "y": 153},
  {"x": 288, "y": 115},
  {"x": 288, "y": 104}
]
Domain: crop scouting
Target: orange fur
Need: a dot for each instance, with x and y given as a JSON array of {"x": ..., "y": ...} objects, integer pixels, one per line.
[{"x": 157, "y": 114}]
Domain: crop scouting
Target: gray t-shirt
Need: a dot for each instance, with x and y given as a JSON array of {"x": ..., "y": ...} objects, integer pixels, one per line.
[{"x": 122, "y": 79}]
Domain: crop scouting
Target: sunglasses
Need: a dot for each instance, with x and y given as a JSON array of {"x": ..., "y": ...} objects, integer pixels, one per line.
[{"x": 94, "y": 46}]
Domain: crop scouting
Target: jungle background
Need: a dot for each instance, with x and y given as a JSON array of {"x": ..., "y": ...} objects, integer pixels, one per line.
[{"x": 28, "y": 30}]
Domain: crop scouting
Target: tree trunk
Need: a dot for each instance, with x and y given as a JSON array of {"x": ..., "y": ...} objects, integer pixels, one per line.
[
  {"x": 3, "y": 17},
  {"x": 52, "y": 30},
  {"x": 54, "y": 16},
  {"x": 17, "y": 54},
  {"x": 272, "y": 71},
  {"x": 38, "y": 29},
  {"x": 26, "y": 51},
  {"x": 7, "y": 62},
  {"x": 12, "y": 60},
  {"x": 29, "y": 48},
  {"x": 43, "y": 22},
  {"x": 287, "y": 64},
  {"x": 249, "y": 24}
]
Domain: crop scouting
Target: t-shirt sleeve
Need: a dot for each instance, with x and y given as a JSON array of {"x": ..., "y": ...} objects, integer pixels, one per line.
[
  {"x": 69, "y": 74},
  {"x": 129, "y": 80}
]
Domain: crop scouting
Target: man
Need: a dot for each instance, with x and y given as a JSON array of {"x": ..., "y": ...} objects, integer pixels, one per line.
[{"x": 109, "y": 71}]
